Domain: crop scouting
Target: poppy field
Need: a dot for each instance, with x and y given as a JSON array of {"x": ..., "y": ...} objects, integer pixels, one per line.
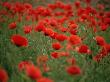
[{"x": 54, "y": 41}]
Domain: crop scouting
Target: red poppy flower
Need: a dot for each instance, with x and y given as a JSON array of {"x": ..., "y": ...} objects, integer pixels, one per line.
[
  {"x": 48, "y": 32},
  {"x": 52, "y": 6},
  {"x": 33, "y": 72},
  {"x": 107, "y": 47},
  {"x": 104, "y": 27},
  {"x": 100, "y": 40},
  {"x": 83, "y": 49},
  {"x": 68, "y": 7},
  {"x": 18, "y": 8},
  {"x": 54, "y": 35},
  {"x": 40, "y": 27},
  {"x": 73, "y": 31},
  {"x": 44, "y": 79},
  {"x": 22, "y": 65},
  {"x": 62, "y": 20},
  {"x": 58, "y": 13},
  {"x": 46, "y": 12},
  {"x": 28, "y": 18},
  {"x": 63, "y": 29},
  {"x": 12, "y": 25},
  {"x": 71, "y": 22},
  {"x": 73, "y": 70},
  {"x": 75, "y": 40},
  {"x": 59, "y": 4},
  {"x": 53, "y": 22},
  {"x": 7, "y": 5},
  {"x": 84, "y": 16},
  {"x": 77, "y": 4},
  {"x": 27, "y": 6},
  {"x": 19, "y": 40},
  {"x": 97, "y": 58},
  {"x": 56, "y": 46},
  {"x": 61, "y": 37},
  {"x": 73, "y": 26},
  {"x": 107, "y": 20},
  {"x": 55, "y": 55},
  {"x": 40, "y": 9},
  {"x": 87, "y": 1},
  {"x": 3, "y": 75},
  {"x": 27, "y": 29},
  {"x": 103, "y": 52}
]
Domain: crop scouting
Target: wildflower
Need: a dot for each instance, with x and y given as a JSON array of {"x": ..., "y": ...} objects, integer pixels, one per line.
[
  {"x": 73, "y": 26},
  {"x": 53, "y": 36},
  {"x": 107, "y": 47},
  {"x": 83, "y": 49},
  {"x": 48, "y": 32},
  {"x": 73, "y": 31},
  {"x": 104, "y": 27},
  {"x": 77, "y": 4},
  {"x": 56, "y": 46},
  {"x": 40, "y": 27},
  {"x": 73, "y": 70},
  {"x": 75, "y": 40},
  {"x": 33, "y": 72},
  {"x": 27, "y": 29},
  {"x": 100, "y": 40},
  {"x": 22, "y": 65},
  {"x": 55, "y": 55},
  {"x": 44, "y": 79},
  {"x": 19, "y": 40},
  {"x": 61, "y": 37},
  {"x": 27, "y": 6},
  {"x": 12, "y": 25},
  {"x": 3, "y": 75},
  {"x": 97, "y": 58}
]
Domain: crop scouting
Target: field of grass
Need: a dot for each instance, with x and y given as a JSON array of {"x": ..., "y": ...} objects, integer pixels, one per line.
[{"x": 54, "y": 41}]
